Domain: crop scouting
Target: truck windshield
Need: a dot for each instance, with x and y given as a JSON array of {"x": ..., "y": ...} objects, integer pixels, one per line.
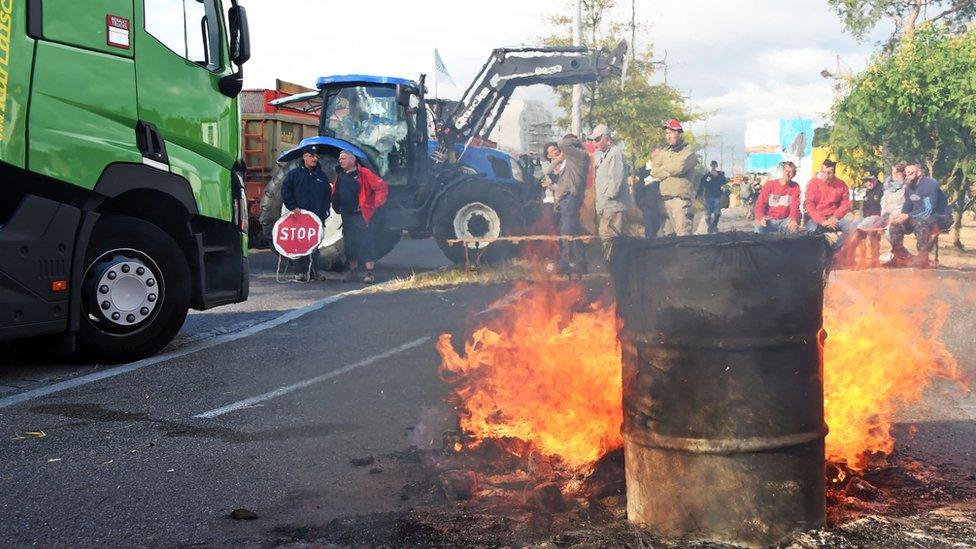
[{"x": 370, "y": 118}]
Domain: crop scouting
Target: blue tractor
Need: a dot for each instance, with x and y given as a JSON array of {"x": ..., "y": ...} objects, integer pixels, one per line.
[{"x": 442, "y": 179}]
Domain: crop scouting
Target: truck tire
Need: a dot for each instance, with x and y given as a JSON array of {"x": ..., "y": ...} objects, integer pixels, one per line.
[
  {"x": 477, "y": 209},
  {"x": 135, "y": 291}
]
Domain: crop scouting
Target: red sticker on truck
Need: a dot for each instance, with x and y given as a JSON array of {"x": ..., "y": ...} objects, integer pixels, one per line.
[{"x": 118, "y": 31}]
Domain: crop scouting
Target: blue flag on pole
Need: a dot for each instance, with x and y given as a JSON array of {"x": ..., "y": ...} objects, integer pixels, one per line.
[{"x": 441, "y": 69}]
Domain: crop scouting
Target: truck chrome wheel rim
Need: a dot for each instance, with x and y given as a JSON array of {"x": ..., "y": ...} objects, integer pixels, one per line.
[
  {"x": 123, "y": 291},
  {"x": 477, "y": 220}
]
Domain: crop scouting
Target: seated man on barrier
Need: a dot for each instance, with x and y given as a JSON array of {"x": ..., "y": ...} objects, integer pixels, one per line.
[
  {"x": 924, "y": 214},
  {"x": 827, "y": 202},
  {"x": 871, "y": 225},
  {"x": 778, "y": 206}
]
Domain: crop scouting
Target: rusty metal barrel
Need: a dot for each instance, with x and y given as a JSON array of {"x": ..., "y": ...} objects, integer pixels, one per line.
[{"x": 723, "y": 387}]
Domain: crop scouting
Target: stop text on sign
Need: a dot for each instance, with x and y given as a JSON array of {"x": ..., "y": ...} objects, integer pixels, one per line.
[
  {"x": 286, "y": 234},
  {"x": 297, "y": 233}
]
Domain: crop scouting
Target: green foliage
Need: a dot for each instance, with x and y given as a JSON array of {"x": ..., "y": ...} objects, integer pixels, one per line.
[
  {"x": 860, "y": 17},
  {"x": 821, "y": 136},
  {"x": 917, "y": 104},
  {"x": 635, "y": 110}
]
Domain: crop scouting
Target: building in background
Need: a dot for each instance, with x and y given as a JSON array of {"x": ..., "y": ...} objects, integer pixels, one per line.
[{"x": 525, "y": 127}]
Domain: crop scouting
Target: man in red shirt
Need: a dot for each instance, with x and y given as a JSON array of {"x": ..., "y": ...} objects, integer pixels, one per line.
[
  {"x": 357, "y": 195},
  {"x": 778, "y": 205},
  {"x": 828, "y": 201}
]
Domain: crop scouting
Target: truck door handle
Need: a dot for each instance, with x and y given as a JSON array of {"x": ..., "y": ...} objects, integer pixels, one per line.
[
  {"x": 150, "y": 142},
  {"x": 35, "y": 21}
]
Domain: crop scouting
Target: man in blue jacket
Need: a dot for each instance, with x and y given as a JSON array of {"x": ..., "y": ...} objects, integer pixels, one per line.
[
  {"x": 307, "y": 188},
  {"x": 924, "y": 211}
]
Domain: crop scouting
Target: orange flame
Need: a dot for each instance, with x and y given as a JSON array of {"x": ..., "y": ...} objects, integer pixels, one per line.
[
  {"x": 882, "y": 351},
  {"x": 547, "y": 373},
  {"x": 543, "y": 372}
]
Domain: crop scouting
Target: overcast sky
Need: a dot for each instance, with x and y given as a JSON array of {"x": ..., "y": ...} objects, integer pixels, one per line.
[{"x": 743, "y": 60}]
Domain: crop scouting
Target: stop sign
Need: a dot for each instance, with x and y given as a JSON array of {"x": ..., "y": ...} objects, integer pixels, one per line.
[{"x": 296, "y": 234}]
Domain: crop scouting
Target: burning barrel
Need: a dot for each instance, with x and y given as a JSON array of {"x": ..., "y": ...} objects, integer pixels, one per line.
[{"x": 723, "y": 387}]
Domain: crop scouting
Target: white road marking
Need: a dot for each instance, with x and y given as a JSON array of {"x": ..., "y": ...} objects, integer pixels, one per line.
[
  {"x": 281, "y": 391},
  {"x": 189, "y": 349}
]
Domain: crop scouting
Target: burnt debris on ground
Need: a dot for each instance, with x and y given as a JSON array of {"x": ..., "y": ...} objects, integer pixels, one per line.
[{"x": 501, "y": 494}]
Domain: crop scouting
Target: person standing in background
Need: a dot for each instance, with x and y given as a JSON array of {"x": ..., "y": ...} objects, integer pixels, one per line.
[
  {"x": 673, "y": 167},
  {"x": 612, "y": 193},
  {"x": 710, "y": 191}
]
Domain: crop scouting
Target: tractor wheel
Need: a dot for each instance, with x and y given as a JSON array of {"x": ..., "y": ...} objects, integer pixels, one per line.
[{"x": 474, "y": 210}]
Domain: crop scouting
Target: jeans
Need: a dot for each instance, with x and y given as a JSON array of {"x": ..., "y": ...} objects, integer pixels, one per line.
[
  {"x": 651, "y": 217},
  {"x": 923, "y": 229},
  {"x": 570, "y": 252},
  {"x": 357, "y": 238},
  {"x": 844, "y": 226},
  {"x": 775, "y": 226},
  {"x": 713, "y": 211}
]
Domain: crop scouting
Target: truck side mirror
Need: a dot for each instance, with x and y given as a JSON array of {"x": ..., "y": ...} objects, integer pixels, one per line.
[
  {"x": 240, "y": 50},
  {"x": 240, "y": 35}
]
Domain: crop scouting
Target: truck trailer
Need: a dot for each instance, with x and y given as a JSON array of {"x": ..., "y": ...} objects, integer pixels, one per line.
[{"x": 122, "y": 198}]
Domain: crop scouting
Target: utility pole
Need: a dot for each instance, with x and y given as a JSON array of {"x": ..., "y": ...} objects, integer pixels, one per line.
[
  {"x": 577, "y": 114},
  {"x": 633, "y": 30}
]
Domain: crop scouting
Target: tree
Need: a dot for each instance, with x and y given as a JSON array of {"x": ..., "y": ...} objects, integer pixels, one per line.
[
  {"x": 916, "y": 104},
  {"x": 634, "y": 110},
  {"x": 861, "y": 16}
]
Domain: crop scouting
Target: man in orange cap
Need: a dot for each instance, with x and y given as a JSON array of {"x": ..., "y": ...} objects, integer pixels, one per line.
[{"x": 673, "y": 167}]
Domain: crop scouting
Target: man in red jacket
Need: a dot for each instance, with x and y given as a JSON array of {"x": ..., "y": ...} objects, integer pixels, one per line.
[
  {"x": 357, "y": 193},
  {"x": 778, "y": 205},
  {"x": 828, "y": 201}
]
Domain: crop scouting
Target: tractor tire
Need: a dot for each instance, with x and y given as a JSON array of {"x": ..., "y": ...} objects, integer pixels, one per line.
[
  {"x": 477, "y": 209},
  {"x": 333, "y": 257},
  {"x": 384, "y": 239},
  {"x": 135, "y": 291}
]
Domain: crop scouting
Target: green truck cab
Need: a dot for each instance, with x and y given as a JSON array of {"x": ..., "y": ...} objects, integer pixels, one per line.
[{"x": 121, "y": 181}]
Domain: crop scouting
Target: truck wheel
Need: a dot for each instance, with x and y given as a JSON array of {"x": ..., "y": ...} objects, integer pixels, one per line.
[
  {"x": 474, "y": 210},
  {"x": 135, "y": 292}
]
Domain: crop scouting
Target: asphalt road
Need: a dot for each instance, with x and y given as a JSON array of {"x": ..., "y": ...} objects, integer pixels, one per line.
[
  {"x": 26, "y": 365},
  {"x": 160, "y": 455}
]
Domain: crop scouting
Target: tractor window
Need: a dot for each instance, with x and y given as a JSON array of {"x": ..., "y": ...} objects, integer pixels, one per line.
[
  {"x": 189, "y": 28},
  {"x": 370, "y": 117}
]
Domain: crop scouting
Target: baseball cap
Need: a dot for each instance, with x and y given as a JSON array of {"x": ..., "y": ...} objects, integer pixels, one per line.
[
  {"x": 599, "y": 131},
  {"x": 673, "y": 124}
]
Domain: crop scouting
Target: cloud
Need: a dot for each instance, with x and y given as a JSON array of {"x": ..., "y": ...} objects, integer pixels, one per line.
[
  {"x": 743, "y": 60},
  {"x": 801, "y": 63}
]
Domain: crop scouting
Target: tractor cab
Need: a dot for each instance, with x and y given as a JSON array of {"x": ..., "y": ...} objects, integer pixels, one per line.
[
  {"x": 381, "y": 120},
  {"x": 381, "y": 116}
]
